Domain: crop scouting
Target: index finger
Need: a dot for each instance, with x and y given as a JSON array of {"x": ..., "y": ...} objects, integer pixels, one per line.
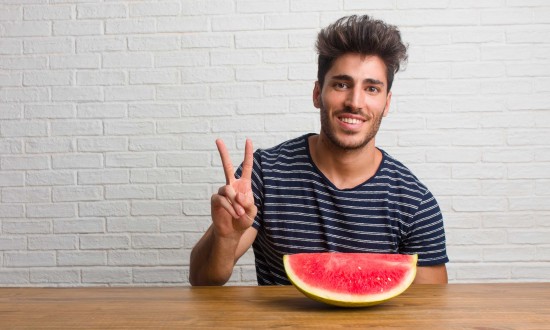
[
  {"x": 248, "y": 160},
  {"x": 226, "y": 162}
]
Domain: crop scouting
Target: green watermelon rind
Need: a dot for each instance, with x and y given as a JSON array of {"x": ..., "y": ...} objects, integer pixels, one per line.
[{"x": 350, "y": 300}]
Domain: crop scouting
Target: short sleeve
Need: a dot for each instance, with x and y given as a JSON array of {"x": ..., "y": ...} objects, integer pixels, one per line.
[{"x": 426, "y": 234}]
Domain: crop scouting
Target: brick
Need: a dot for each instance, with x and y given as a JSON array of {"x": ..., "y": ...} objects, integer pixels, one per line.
[
  {"x": 207, "y": 75},
  {"x": 132, "y": 225},
  {"x": 292, "y": 21},
  {"x": 11, "y": 146},
  {"x": 50, "y": 178},
  {"x": 77, "y": 193},
  {"x": 76, "y": 94},
  {"x": 23, "y": 128},
  {"x": 509, "y": 254},
  {"x": 38, "y": 162},
  {"x": 81, "y": 258},
  {"x": 23, "y": 63},
  {"x": 189, "y": 24},
  {"x": 130, "y": 160},
  {"x": 130, "y": 192},
  {"x": 207, "y": 7},
  {"x": 202, "y": 40},
  {"x": 235, "y": 57},
  {"x": 160, "y": 275},
  {"x": 184, "y": 92},
  {"x": 125, "y": 127},
  {"x": 197, "y": 208},
  {"x": 104, "y": 241},
  {"x": 15, "y": 276},
  {"x": 29, "y": 259},
  {"x": 11, "y": 47},
  {"x": 262, "y": 106},
  {"x": 101, "y": 78},
  {"x": 47, "y": 12},
  {"x": 480, "y": 204},
  {"x": 103, "y": 209},
  {"x": 93, "y": 11},
  {"x": 49, "y": 111},
  {"x": 240, "y": 90},
  {"x": 155, "y": 9},
  {"x": 106, "y": 275},
  {"x": 26, "y": 94},
  {"x": 153, "y": 110},
  {"x": 278, "y": 57},
  {"x": 77, "y": 28},
  {"x": 154, "y": 77},
  {"x": 104, "y": 176},
  {"x": 192, "y": 125},
  {"x": 154, "y": 144},
  {"x": 25, "y": 195},
  {"x": 534, "y": 272},
  {"x": 508, "y": 219},
  {"x": 129, "y": 93},
  {"x": 57, "y": 210},
  {"x": 157, "y": 241},
  {"x": 57, "y": 242},
  {"x": 485, "y": 271},
  {"x": 146, "y": 208},
  {"x": 26, "y": 29},
  {"x": 155, "y": 176},
  {"x": 13, "y": 243},
  {"x": 479, "y": 171},
  {"x": 208, "y": 109},
  {"x": 529, "y": 204},
  {"x": 186, "y": 225},
  {"x": 128, "y": 26},
  {"x": 100, "y": 44},
  {"x": 253, "y": 124},
  {"x": 182, "y": 59},
  {"x": 261, "y": 40},
  {"x": 11, "y": 79},
  {"x": 101, "y": 110},
  {"x": 11, "y": 211},
  {"x": 237, "y": 23},
  {"x": 154, "y": 43},
  {"x": 185, "y": 191},
  {"x": 102, "y": 144},
  {"x": 261, "y": 73},
  {"x": 80, "y": 226},
  {"x": 174, "y": 257},
  {"x": 10, "y": 179},
  {"x": 51, "y": 45},
  {"x": 127, "y": 60},
  {"x": 133, "y": 258},
  {"x": 507, "y": 16},
  {"x": 266, "y": 6},
  {"x": 77, "y": 161},
  {"x": 26, "y": 227}
]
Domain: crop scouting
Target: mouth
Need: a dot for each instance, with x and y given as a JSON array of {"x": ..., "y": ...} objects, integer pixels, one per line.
[{"x": 351, "y": 122}]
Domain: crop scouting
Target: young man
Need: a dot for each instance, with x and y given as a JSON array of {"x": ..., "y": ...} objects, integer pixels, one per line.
[{"x": 335, "y": 191}]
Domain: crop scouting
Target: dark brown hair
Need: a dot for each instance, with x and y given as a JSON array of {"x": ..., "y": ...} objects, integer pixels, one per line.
[{"x": 362, "y": 35}]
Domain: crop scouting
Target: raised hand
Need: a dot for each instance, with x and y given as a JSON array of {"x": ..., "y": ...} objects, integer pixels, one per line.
[{"x": 233, "y": 208}]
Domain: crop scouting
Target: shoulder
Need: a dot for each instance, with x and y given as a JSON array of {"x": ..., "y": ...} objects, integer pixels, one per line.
[
  {"x": 290, "y": 147},
  {"x": 400, "y": 175}
]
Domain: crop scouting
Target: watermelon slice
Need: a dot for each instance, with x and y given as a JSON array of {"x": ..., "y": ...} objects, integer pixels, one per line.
[{"x": 350, "y": 279}]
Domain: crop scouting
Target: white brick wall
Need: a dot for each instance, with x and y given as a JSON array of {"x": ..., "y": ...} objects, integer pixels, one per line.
[{"x": 109, "y": 111}]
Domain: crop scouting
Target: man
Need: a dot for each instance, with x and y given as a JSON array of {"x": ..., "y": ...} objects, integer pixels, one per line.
[{"x": 335, "y": 191}]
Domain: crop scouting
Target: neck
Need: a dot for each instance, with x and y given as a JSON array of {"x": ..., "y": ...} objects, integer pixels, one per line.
[{"x": 344, "y": 168}]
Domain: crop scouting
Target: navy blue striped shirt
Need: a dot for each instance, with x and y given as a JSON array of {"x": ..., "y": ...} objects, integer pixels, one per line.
[{"x": 300, "y": 210}]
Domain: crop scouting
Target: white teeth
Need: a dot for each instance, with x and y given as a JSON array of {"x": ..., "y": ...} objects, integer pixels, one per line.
[{"x": 350, "y": 120}]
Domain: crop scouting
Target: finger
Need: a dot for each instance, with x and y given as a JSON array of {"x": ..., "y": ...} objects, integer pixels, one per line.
[
  {"x": 222, "y": 201},
  {"x": 226, "y": 162},
  {"x": 231, "y": 196},
  {"x": 248, "y": 159}
]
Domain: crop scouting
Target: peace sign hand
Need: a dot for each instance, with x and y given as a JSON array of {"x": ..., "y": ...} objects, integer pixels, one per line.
[{"x": 233, "y": 208}]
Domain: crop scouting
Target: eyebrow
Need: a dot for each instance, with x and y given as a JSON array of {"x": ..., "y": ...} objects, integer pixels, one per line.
[{"x": 346, "y": 77}]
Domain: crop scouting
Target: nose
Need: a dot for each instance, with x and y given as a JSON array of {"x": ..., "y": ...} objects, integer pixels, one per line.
[{"x": 354, "y": 99}]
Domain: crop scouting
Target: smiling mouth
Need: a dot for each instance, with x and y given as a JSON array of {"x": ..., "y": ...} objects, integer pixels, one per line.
[{"x": 348, "y": 120}]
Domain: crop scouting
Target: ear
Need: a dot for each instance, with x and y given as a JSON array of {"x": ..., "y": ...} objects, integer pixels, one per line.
[
  {"x": 317, "y": 95},
  {"x": 387, "y": 107}
]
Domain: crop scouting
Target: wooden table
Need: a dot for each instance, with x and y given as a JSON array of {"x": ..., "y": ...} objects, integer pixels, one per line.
[{"x": 453, "y": 306}]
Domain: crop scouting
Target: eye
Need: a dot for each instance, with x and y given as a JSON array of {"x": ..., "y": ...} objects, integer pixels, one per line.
[
  {"x": 341, "y": 85},
  {"x": 373, "y": 89}
]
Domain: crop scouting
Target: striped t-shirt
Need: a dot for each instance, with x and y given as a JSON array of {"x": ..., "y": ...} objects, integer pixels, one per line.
[{"x": 300, "y": 210}]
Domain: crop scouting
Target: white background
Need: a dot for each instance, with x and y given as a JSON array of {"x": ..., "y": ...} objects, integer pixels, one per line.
[{"x": 109, "y": 111}]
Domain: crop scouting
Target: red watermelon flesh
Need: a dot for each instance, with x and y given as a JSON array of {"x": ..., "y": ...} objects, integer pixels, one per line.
[{"x": 351, "y": 279}]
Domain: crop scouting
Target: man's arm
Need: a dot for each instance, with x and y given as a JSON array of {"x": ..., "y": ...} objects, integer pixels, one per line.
[
  {"x": 213, "y": 258},
  {"x": 431, "y": 274},
  {"x": 231, "y": 233}
]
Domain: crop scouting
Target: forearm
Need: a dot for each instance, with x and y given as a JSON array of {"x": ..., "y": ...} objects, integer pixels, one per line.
[{"x": 212, "y": 259}]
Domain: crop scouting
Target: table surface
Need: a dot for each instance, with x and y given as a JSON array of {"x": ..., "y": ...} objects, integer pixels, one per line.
[{"x": 451, "y": 306}]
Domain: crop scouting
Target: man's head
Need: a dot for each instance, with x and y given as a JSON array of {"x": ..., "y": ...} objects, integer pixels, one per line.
[{"x": 361, "y": 35}]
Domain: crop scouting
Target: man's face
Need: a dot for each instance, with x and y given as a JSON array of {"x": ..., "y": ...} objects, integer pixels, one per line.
[{"x": 353, "y": 100}]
